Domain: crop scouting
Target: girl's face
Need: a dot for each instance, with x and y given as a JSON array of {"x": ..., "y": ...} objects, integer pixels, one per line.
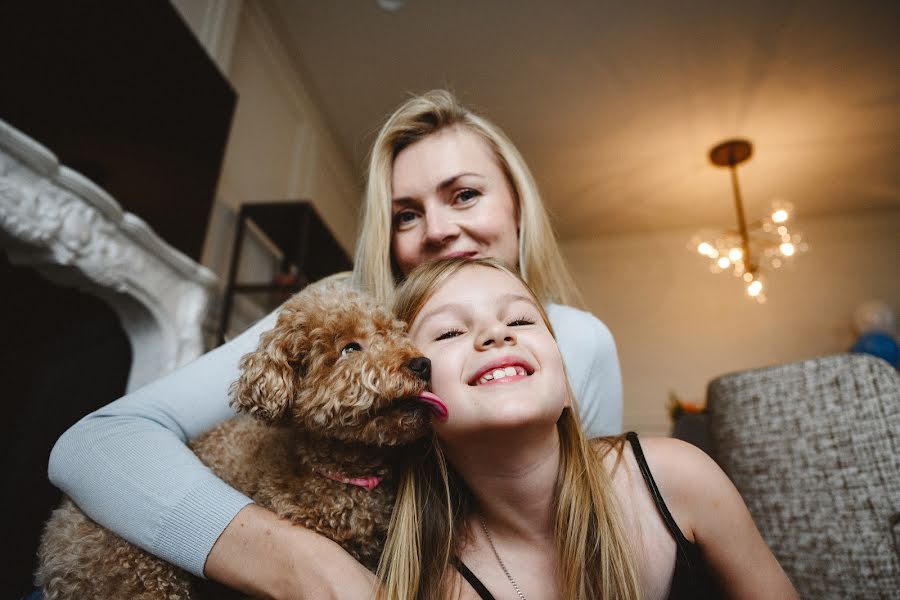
[
  {"x": 451, "y": 198},
  {"x": 494, "y": 362}
]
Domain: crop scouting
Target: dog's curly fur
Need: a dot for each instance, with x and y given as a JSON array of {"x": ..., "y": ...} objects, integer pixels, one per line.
[{"x": 332, "y": 388}]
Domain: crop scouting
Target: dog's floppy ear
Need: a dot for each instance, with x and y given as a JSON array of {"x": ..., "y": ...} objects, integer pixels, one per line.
[{"x": 269, "y": 376}]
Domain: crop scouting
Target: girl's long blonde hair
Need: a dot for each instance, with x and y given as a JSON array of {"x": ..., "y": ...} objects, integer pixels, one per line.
[
  {"x": 540, "y": 261},
  {"x": 594, "y": 557}
]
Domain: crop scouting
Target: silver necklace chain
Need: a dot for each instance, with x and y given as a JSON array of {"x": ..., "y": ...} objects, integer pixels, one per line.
[{"x": 500, "y": 560}]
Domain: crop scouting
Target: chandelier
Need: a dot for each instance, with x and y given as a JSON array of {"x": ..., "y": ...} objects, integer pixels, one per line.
[{"x": 745, "y": 250}]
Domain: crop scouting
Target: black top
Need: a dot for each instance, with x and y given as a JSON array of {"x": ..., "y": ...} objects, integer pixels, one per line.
[
  {"x": 474, "y": 581},
  {"x": 691, "y": 578}
]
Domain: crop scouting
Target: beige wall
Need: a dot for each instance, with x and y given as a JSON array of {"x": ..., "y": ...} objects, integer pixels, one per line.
[
  {"x": 678, "y": 326},
  {"x": 280, "y": 146}
]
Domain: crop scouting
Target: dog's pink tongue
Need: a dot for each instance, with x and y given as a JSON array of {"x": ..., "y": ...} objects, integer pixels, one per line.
[{"x": 436, "y": 404}]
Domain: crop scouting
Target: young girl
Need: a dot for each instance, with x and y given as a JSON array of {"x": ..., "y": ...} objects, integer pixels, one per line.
[
  {"x": 442, "y": 181},
  {"x": 512, "y": 501}
]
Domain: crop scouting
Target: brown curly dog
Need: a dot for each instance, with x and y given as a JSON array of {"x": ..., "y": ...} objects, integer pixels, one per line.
[{"x": 335, "y": 398}]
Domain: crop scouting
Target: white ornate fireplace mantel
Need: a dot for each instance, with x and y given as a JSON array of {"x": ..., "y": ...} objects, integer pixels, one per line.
[{"x": 75, "y": 234}]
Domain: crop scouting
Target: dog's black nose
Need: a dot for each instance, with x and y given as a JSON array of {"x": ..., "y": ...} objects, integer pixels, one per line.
[{"x": 421, "y": 366}]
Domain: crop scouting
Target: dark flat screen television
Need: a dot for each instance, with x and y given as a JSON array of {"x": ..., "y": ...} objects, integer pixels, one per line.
[{"x": 125, "y": 94}]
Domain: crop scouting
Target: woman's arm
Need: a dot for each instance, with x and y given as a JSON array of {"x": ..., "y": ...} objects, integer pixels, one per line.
[
  {"x": 709, "y": 509},
  {"x": 589, "y": 353},
  {"x": 127, "y": 465}
]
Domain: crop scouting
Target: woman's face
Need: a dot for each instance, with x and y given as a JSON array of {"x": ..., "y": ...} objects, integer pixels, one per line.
[
  {"x": 495, "y": 363},
  {"x": 451, "y": 198}
]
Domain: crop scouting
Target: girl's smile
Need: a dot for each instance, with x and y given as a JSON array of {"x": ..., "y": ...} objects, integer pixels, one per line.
[
  {"x": 505, "y": 369},
  {"x": 494, "y": 361}
]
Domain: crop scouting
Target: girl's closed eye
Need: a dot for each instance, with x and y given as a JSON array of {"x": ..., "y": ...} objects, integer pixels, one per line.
[
  {"x": 520, "y": 321},
  {"x": 448, "y": 333}
]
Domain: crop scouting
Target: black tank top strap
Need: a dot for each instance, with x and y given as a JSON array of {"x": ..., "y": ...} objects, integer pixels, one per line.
[
  {"x": 683, "y": 543},
  {"x": 476, "y": 584},
  {"x": 692, "y": 578}
]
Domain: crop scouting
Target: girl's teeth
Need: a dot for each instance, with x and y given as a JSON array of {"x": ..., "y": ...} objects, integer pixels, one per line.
[{"x": 501, "y": 373}]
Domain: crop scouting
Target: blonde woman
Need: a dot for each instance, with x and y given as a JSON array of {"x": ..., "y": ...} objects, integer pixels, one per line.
[
  {"x": 442, "y": 182},
  {"x": 512, "y": 501}
]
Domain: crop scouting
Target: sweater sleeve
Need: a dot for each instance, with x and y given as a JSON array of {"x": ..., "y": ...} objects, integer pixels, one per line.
[
  {"x": 589, "y": 353},
  {"x": 128, "y": 467}
]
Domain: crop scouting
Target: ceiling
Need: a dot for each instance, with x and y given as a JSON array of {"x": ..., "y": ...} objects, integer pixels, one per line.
[{"x": 616, "y": 104}]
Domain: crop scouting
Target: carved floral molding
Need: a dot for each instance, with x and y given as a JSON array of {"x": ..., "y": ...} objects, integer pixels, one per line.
[{"x": 75, "y": 234}]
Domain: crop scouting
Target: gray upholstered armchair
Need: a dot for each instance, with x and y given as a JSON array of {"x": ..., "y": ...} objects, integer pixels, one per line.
[{"x": 814, "y": 449}]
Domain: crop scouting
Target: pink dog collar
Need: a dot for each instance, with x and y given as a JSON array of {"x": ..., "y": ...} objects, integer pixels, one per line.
[{"x": 370, "y": 483}]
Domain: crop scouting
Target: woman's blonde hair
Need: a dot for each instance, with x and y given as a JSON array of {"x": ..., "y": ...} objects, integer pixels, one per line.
[
  {"x": 540, "y": 261},
  {"x": 594, "y": 557}
]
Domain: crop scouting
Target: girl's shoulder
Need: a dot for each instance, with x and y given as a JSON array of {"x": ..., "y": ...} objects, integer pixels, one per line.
[
  {"x": 680, "y": 468},
  {"x": 684, "y": 474},
  {"x": 668, "y": 459},
  {"x": 706, "y": 508}
]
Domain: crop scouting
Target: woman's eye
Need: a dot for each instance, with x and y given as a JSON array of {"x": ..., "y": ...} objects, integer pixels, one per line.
[
  {"x": 452, "y": 333},
  {"x": 466, "y": 196},
  {"x": 350, "y": 348},
  {"x": 520, "y": 321},
  {"x": 404, "y": 219}
]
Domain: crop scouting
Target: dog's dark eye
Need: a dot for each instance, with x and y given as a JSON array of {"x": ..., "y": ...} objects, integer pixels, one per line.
[{"x": 351, "y": 347}]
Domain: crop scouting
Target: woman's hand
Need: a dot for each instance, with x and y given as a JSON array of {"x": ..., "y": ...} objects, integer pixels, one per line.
[{"x": 267, "y": 557}]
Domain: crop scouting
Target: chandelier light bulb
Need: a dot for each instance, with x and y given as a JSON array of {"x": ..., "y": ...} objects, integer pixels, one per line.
[{"x": 751, "y": 248}]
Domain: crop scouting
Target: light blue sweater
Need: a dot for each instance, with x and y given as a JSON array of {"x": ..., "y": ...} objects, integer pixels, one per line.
[{"x": 127, "y": 465}]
